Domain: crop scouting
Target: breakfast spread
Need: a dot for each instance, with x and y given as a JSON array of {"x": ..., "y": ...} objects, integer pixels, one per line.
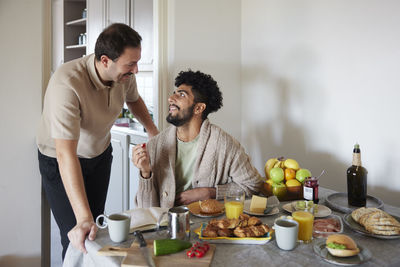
[
  {"x": 210, "y": 206},
  {"x": 258, "y": 204},
  {"x": 376, "y": 221},
  {"x": 244, "y": 226},
  {"x": 340, "y": 245}
]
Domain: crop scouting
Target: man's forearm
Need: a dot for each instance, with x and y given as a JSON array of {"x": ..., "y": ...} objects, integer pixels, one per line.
[
  {"x": 140, "y": 111},
  {"x": 71, "y": 175}
]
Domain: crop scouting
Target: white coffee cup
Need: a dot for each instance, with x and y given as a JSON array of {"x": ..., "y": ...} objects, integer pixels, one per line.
[
  {"x": 286, "y": 231},
  {"x": 118, "y": 225}
]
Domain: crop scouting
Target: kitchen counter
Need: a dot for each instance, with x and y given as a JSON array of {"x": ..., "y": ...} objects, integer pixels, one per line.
[
  {"x": 384, "y": 252},
  {"x": 131, "y": 131}
]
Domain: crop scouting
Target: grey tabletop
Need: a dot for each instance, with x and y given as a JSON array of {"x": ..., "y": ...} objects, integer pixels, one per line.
[{"x": 384, "y": 252}]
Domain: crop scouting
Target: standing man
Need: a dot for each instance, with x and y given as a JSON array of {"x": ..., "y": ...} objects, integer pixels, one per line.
[
  {"x": 83, "y": 99},
  {"x": 192, "y": 159}
]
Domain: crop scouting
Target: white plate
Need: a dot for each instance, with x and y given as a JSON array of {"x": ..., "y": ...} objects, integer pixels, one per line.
[
  {"x": 323, "y": 211},
  {"x": 246, "y": 209},
  {"x": 194, "y": 209}
]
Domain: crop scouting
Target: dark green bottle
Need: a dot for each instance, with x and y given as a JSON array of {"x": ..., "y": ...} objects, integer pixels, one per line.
[{"x": 357, "y": 180}]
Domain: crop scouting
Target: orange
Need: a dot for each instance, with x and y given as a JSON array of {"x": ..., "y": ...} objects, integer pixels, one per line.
[{"x": 290, "y": 174}]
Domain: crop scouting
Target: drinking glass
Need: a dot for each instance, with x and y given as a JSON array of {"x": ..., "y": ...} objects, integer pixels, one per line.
[
  {"x": 234, "y": 202},
  {"x": 306, "y": 221}
]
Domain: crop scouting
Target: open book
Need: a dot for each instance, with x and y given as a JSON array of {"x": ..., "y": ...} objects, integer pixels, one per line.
[{"x": 146, "y": 218}]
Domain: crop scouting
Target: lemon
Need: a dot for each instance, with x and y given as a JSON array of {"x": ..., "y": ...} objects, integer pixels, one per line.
[
  {"x": 292, "y": 164},
  {"x": 293, "y": 182}
]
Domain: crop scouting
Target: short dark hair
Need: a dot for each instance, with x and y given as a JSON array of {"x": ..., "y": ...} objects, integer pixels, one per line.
[
  {"x": 205, "y": 89},
  {"x": 114, "y": 39}
]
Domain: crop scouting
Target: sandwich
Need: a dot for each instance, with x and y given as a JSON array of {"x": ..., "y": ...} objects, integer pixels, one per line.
[
  {"x": 341, "y": 245},
  {"x": 210, "y": 206}
]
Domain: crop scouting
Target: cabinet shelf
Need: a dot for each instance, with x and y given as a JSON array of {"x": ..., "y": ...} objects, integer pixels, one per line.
[
  {"x": 77, "y": 22},
  {"x": 75, "y": 46}
]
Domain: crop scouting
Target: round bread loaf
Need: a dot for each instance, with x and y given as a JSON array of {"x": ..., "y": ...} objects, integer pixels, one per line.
[{"x": 210, "y": 206}]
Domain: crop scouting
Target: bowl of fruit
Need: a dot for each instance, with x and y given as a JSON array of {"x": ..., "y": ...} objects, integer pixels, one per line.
[{"x": 285, "y": 178}]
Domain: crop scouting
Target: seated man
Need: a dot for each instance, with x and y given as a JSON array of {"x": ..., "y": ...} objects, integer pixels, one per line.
[{"x": 193, "y": 159}]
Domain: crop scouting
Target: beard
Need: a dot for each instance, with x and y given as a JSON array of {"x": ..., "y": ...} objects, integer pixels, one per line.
[{"x": 181, "y": 118}]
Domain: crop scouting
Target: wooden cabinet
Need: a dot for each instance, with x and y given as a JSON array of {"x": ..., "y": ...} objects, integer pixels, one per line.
[
  {"x": 124, "y": 175},
  {"x": 133, "y": 171},
  {"x": 136, "y": 13},
  {"x": 69, "y": 23},
  {"x": 117, "y": 194}
]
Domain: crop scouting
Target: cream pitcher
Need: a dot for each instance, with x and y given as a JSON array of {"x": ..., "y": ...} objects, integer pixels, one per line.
[{"x": 178, "y": 223}]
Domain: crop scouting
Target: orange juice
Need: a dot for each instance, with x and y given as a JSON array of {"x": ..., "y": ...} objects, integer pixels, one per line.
[
  {"x": 305, "y": 220},
  {"x": 233, "y": 209}
]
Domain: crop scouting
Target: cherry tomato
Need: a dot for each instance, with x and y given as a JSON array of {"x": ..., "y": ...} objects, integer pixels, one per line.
[
  {"x": 200, "y": 249},
  {"x": 199, "y": 254},
  {"x": 190, "y": 254}
]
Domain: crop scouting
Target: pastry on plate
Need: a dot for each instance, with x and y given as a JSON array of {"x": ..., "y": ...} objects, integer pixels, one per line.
[{"x": 210, "y": 206}]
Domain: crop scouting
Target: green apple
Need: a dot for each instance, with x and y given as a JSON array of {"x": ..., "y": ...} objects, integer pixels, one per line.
[
  {"x": 279, "y": 190},
  {"x": 302, "y": 174},
  {"x": 276, "y": 174}
]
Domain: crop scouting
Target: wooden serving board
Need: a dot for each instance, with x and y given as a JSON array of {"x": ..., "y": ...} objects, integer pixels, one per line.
[{"x": 133, "y": 256}]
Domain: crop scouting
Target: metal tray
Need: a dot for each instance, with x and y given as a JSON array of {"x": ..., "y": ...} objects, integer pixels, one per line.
[{"x": 338, "y": 201}]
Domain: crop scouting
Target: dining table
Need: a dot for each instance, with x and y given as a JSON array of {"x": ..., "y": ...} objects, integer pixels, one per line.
[{"x": 384, "y": 252}]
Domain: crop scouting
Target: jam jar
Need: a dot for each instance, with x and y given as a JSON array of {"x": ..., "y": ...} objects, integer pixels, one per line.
[{"x": 310, "y": 189}]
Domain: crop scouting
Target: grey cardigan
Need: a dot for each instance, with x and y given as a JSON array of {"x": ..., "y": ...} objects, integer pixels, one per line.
[{"x": 221, "y": 163}]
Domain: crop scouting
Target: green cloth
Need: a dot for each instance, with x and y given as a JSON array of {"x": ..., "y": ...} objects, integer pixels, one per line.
[{"x": 185, "y": 159}]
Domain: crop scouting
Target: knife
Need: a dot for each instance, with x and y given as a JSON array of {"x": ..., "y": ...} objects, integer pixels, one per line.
[{"x": 144, "y": 249}]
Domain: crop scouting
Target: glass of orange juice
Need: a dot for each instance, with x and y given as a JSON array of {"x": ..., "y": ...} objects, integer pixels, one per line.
[
  {"x": 306, "y": 221},
  {"x": 234, "y": 202}
]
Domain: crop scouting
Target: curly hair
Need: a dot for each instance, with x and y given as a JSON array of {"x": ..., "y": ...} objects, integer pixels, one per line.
[
  {"x": 205, "y": 89},
  {"x": 114, "y": 39}
]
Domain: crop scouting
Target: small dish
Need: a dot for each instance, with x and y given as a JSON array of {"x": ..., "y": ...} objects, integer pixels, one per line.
[
  {"x": 321, "y": 227},
  {"x": 322, "y": 211},
  {"x": 363, "y": 256},
  {"x": 272, "y": 207},
  {"x": 303, "y": 205},
  {"x": 194, "y": 209}
]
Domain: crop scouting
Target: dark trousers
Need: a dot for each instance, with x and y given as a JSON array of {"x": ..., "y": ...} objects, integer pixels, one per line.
[{"x": 96, "y": 176}]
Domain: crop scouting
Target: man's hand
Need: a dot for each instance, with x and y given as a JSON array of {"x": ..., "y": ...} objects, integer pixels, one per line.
[
  {"x": 189, "y": 196},
  {"x": 141, "y": 160},
  {"x": 78, "y": 234}
]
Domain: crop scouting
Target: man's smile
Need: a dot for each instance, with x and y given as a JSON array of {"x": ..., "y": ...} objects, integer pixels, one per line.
[{"x": 173, "y": 107}]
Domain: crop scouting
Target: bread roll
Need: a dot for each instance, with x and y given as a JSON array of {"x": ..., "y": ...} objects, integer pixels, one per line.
[
  {"x": 210, "y": 206},
  {"x": 351, "y": 246}
]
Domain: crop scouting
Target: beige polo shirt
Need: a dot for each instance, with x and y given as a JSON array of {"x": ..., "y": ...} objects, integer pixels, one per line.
[{"x": 78, "y": 106}]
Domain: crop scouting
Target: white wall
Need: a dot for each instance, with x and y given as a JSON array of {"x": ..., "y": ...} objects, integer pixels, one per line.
[
  {"x": 205, "y": 35},
  {"x": 319, "y": 76},
  {"x": 301, "y": 79},
  {"x": 20, "y": 94}
]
